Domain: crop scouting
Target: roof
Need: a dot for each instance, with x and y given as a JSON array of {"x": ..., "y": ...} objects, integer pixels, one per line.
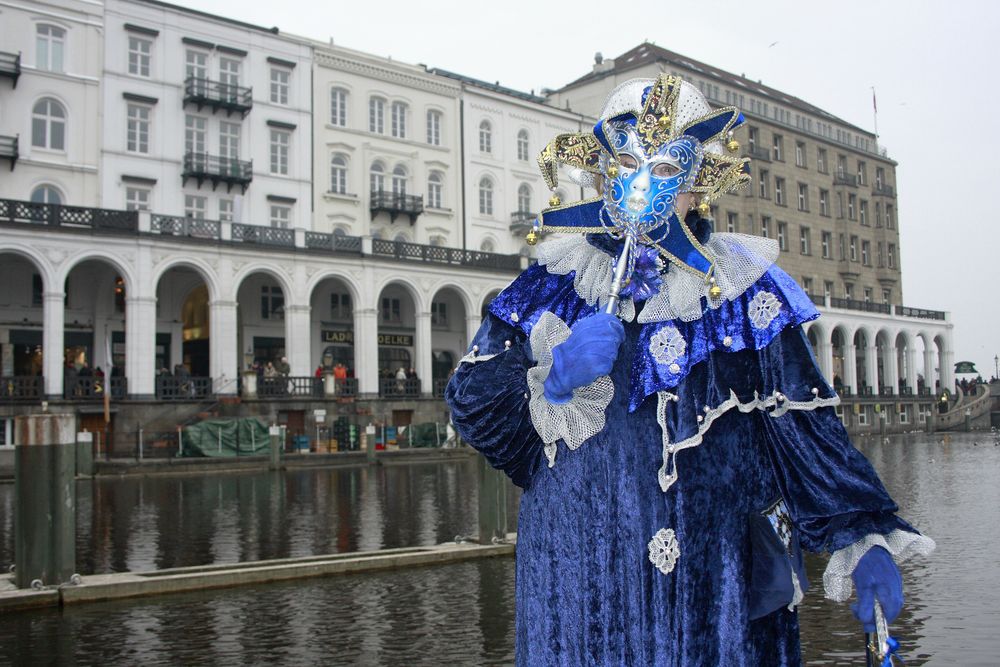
[
  {"x": 198, "y": 12},
  {"x": 647, "y": 53},
  {"x": 495, "y": 87}
]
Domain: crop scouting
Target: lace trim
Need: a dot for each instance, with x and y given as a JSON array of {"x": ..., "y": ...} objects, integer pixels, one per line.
[
  {"x": 740, "y": 260},
  {"x": 580, "y": 418},
  {"x": 474, "y": 357},
  {"x": 592, "y": 271},
  {"x": 837, "y": 581},
  {"x": 667, "y": 474}
]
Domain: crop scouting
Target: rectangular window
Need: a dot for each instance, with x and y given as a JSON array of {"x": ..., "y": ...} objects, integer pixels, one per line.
[
  {"x": 137, "y": 129},
  {"x": 890, "y": 220},
  {"x": 399, "y": 120},
  {"x": 880, "y": 255},
  {"x": 821, "y": 160},
  {"x": 763, "y": 183},
  {"x": 753, "y": 135},
  {"x": 195, "y": 130},
  {"x": 732, "y": 222},
  {"x": 434, "y": 128},
  {"x": 807, "y": 284},
  {"x": 800, "y": 154},
  {"x": 778, "y": 148},
  {"x": 862, "y": 173},
  {"x": 827, "y": 241},
  {"x": 280, "y": 141},
  {"x": 849, "y": 291},
  {"x": 854, "y": 248},
  {"x": 779, "y": 191},
  {"x": 226, "y": 209},
  {"x": 194, "y": 207},
  {"x": 868, "y": 295},
  {"x": 376, "y": 115},
  {"x": 892, "y": 255},
  {"x": 338, "y": 107},
  {"x": 229, "y": 76},
  {"x": 783, "y": 235},
  {"x": 434, "y": 193},
  {"x": 281, "y": 216},
  {"x": 280, "y": 79},
  {"x": 803, "y": 197},
  {"x": 439, "y": 314},
  {"x": 852, "y": 203},
  {"x": 139, "y": 55},
  {"x": 828, "y": 288},
  {"x": 49, "y": 44},
  {"x": 863, "y": 212},
  {"x": 879, "y": 177},
  {"x": 37, "y": 289},
  {"x": 229, "y": 140},
  {"x": 137, "y": 199},
  {"x": 805, "y": 241},
  {"x": 390, "y": 310},
  {"x": 272, "y": 303},
  {"x": 886, "y": 296},
  {"x": 824, "y": 202},
  {"x": 340, "y": 306},
  {"x": 765, "y": 226},
  {"x": 196, "y": 65}
]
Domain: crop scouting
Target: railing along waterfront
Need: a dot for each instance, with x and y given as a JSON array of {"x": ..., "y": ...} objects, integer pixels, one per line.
[{"x": 172, "y": 388}]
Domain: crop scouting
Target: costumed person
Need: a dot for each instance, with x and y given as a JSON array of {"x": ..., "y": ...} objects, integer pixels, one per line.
[{"x": 649, "y": 386}]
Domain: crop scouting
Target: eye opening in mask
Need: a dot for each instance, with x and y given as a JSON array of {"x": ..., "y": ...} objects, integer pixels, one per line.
[
  {"x": 665, "y": 169},
  {"x": 627, "y": 161}
]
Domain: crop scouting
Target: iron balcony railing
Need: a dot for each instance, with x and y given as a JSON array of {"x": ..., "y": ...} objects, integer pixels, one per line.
[
  {"x": 394, "y": 388},
  {"x": 59, "y": 215},
  {"x": 439, "y": 386},
  {"x": 16, "y": 388},
  {"x": 522, "y": 221},
  {"x": 285, "y": 386},
  {"x": 333, "y": 242},
  {"x": 218, "y": 95},
  {"x": 397, "y": 204},
  {"x": 886, "y": 391},
  {"x": 865, "y": 306},
  {"x": 884, "y": 190},
  {"x": 10, "y": 66},
  {"x": 217, "y": 169},
  {"x": 922, "y": 313},
  {"x": 174, "y": 388},
  {"x": 272, "y": 236},
  {"x": 759, "y": 153},
  {"x": 10, "y": 149},
  {"x": 92, "y": 388},
  {"x": 443, "y": 255},
  {"x": 841, "y": 178},
  {"x": 175, "y": 225}
]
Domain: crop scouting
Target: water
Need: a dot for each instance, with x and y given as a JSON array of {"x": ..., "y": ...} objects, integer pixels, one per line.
[{"x": 458, "y": 614}]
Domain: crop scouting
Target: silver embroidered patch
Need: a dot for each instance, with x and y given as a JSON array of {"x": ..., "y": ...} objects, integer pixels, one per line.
[
  {"x": 664, "y": 551},
  {"x": 763, "y": 308},
  {"x": 667, "y": 345}
]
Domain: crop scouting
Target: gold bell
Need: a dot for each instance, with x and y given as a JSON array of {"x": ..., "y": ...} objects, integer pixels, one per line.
[
  {"x": 612, "y": 170},
  {"x": 732, "y": 145},
  {"x": 554, "y": 200},
  {"x": 531, "y": 238},
  {"x": 704, "y": 208},
  {"x": 714, "y": 291},
  {"x": 663, "y": 121}
]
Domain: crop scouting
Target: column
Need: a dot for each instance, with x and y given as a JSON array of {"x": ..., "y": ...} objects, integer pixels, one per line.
[
  {"x": 298, "y": 346},
  {"x": 140, "y": 345},
  {"x": 871, "y": 367},
  {"x": 424, "y": 361},
  {"x": 851, "y": 367},
  {"x": 223, "y": 349},
  {"x": 946, "y": 362},
  {"x": 825, "y": 358},
  {"x": 911, "y": 367},
  {"x": 890, "y": 365},
  {"x": 53, "y": 330},
  {"x": 366, "y": 350},
  {"x": 929, "y": 376}
]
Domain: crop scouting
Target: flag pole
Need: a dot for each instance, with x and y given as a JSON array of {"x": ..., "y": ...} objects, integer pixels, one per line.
[{"x": 875, "y": 114}]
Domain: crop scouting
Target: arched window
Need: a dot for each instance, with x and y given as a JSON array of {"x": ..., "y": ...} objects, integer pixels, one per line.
[
  {"x": 338, "y": 174},
  {"x": 376, "y": 115},
  {"x": 399, "y": 180},
  {"x": 46, "y": 194},
  {"x": 524, "y": 198},
  {"x": 338, "y": 107},
  {"x": 48, "y": 124},
  {"x": 434, "y": 127},
  {"x": 485, "y": 196},
  {"x": 376, "y": 177},
  {"x": 487, "y": 246},
  {"x": 435, "y": 184},
  {"x": 340, "y": 231},
  {"x": 522, "y": 145},
  {"x": 50, "y": 41},
  {"x": 485, "y": 137},
  {"x": 376, "y": 233},
  {"x": 399, "y": 111}
]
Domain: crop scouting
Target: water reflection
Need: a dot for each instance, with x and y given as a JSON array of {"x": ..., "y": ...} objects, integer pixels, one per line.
[{"x": 462, "y": 614}]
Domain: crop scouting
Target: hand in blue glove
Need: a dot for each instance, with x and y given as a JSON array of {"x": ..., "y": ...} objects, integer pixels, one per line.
[
  {"x": 876, "y": 576},
  {"x": 588, "y": 353}
]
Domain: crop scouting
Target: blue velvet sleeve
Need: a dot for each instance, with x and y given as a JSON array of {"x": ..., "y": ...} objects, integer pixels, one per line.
[
  {"x": 489, "y": 401},
  {"x": 832, "y": 492}
]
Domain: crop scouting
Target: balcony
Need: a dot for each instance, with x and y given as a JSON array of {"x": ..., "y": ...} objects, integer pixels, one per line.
[
  {"x": 883, "y": 190},
  {"x": 204, "y": 167},
  {"x": 333, "y": 242},
  {"x": 10, "y": 66},
  {"x": 15, "y": 388},
  {"x": 272, "y": 236},
  {"x": 758, "y": 153},
  {"x": 175, "y": 225},
  {"x": 397, "y": 204},
  {"x": 864, "y": 306},
  {"x": 217, "y": 95},
  {"x": 442, "y": 255},
  {"x": 74, "y": 217},
  {"x": 921, "y": 313},
  {"x": 522, "y": 221},
  {"x": 850, "y": 180},
  {"x": 9, "y": 150}
]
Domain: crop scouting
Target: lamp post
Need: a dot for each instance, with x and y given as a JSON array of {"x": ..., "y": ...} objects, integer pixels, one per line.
[{"x": 996, "y": 366}]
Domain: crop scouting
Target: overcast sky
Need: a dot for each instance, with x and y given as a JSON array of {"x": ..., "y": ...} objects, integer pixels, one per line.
[{"x": 932, "y": 65}]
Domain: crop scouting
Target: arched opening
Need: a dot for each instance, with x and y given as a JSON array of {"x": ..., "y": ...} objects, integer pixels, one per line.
[
  {"x": 21, "y": 329},
  {"x": 838, "y": 341},
  {"x": 261, "y": 331},
  {"x": 906, "y": 363},
  {"x": 884, "y": 357},
  {"x": 862, "y": 361},
  {"x": 396, "y": 343},
  {"x": 448, "y": 335},
  {"x": 925, "y": 363},
  {"x": 332, "y": 343},
  {"x": 183, "y": 335},
  {"x": 95, "y": 334}
]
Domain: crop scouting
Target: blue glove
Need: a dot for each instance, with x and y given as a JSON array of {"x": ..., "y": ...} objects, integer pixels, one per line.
[
  {"x": 588, "y": 353},
  {"x": 876, "y": 576}
]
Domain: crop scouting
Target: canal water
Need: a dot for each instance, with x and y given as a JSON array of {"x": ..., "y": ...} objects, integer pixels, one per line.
[{"x": 949, "y": 486}]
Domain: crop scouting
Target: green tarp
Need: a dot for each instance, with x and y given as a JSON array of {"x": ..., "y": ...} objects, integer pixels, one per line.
[{"x": 225, "y": 437}]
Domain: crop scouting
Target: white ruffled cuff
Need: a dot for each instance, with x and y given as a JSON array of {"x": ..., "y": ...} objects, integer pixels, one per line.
[
  {"x": 576, "y": 420},
  {"x": 901, "y": 544}
]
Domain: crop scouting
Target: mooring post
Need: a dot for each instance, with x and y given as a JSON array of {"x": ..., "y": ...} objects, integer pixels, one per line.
[
  {"x": 45, "y": 492},
  {"x": 275, "y": 434},
  {"x": 492, "y": 503},
  {"x": 85, "y": 454}
]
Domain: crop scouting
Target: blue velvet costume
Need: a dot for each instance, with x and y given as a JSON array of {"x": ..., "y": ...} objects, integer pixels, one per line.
[{"x": 739, "y": 422}]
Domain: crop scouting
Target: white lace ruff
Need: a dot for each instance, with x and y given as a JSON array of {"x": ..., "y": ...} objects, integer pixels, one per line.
[
  {"x": 667, "y": 345},
  {"x": 763, "y": 308},
  {"x": 580, "y": 418},
  {"x": 664, "y": 550},
  {"x": 837, "y": 581},
  {"x": 593, "y": 269},
  {"x": 667, "y": 474}
]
